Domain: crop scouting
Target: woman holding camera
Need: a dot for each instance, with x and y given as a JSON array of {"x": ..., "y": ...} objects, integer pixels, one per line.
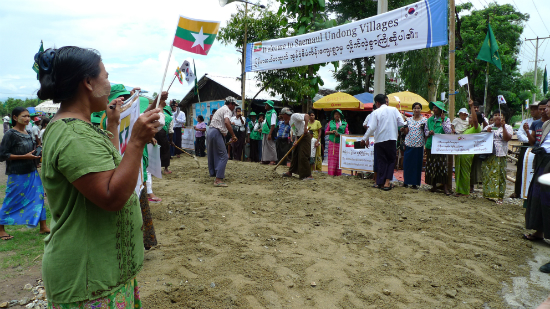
[
  {"x": 24, "y": 201},
  {"x": 414, "y": 147}
]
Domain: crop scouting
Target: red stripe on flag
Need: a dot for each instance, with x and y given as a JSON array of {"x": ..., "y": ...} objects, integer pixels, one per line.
[{"x": 186, "y": 45}]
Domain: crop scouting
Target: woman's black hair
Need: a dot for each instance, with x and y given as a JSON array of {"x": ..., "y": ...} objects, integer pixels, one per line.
[
  {"x": 311, "y": 112},
  {"x": 238, "y": 108},
  {"x": 416, "y": 103},
  {"x": 45, "y": 121},
  {"x": 480, "y": 118},
  {"x": 16, "y": 112},
  {"x": 201, "y": 118},
  {"x": 61, "y": 70},
  {"x": 214, "y": 111}
]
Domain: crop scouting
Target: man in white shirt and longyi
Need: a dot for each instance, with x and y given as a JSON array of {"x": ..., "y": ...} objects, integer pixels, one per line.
[{"x": 383, "y": 123}]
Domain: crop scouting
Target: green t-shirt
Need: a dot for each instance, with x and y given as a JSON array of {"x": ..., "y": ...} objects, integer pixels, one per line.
[{"x": 90, "y": 252}]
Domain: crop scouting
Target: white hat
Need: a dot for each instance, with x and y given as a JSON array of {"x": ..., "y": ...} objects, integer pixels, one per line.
[{"x": 463, "y": 110}]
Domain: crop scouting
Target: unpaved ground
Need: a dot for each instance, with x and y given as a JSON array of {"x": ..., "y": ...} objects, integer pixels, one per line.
[{"x": 270, "y": 242}]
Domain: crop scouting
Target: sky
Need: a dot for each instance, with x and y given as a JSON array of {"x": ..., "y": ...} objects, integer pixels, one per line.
[{"x": 134, "y": 39}]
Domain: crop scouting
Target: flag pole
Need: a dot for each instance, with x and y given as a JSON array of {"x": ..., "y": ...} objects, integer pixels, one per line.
[
  {"x": 164, "y": 77},
  {"x": 486, "y": 84},
  {"x": 196, "y": 86}
]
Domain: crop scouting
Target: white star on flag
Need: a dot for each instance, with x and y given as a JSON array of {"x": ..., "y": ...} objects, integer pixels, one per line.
[{"x": 199, "y": 38}]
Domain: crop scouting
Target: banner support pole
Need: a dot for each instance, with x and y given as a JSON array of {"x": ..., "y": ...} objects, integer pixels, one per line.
[{"x": 451, "y": 84}]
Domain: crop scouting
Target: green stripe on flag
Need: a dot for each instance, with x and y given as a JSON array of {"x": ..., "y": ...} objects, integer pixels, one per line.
[{"x": 186, "y": 35}]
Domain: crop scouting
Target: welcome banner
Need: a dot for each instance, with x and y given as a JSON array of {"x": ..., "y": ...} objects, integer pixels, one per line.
[
  {"x": 457, "y": 144},
  {"x": 420, "y": 25}
]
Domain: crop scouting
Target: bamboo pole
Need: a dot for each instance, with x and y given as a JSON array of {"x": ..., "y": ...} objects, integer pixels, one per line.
[{"x": 452, "y": 94}]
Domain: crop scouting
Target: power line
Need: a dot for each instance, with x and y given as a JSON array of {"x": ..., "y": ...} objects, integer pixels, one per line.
[
  {"x": 543, "y": 22},
  {"x": 517, "y": 7}
]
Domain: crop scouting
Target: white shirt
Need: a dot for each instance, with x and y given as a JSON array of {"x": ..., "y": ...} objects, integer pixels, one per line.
[
  {"x": 297, "y": 123},
  {"x": 179, "y": 118},
  {"x": 41, "y": 133},
  {"x": 522, "y": 136},
  {"x": 546, "y": 144},
  {"x": 258, "y": 126},
  {"x": 383, "y": 123},
  {"x": 366, "y": 122},
  {"x": 236, "y": 121}
]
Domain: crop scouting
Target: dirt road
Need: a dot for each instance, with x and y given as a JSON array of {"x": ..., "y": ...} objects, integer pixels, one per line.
[{"x": 272, "y": 242}]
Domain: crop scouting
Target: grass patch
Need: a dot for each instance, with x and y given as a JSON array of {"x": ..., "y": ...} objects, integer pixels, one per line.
[{"x": 27, "y": 246}]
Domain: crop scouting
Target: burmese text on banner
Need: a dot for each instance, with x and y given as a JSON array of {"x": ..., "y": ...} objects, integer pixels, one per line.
[
  {"x": 457, "y": 144},
  {"x": 356, "y": 159},
  {"x": 419, "y": 25}
]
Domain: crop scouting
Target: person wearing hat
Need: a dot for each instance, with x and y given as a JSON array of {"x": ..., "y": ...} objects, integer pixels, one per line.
[
  {"x": 384, "y": 123},
  {"x": 220, "y": 125},
  {"x": 461, "y": 123},
  {"x": 254, "y": 137},
  {"x": 463, "y": 163},
  {"x": 269, "y": 149},
  {"x": 299, "y": 164},
  {"x": 258, "y": 128},
  {"x": 336, "y": 127},
  {"x": 436, "y": 164},
  {"x": 523, "y": 134}
]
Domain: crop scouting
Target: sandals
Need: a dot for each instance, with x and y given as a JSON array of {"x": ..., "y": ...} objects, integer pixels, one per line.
[
  {"x": 154, "y": 199},
  {"x": 532, "y": 237},
  {"x": 308, "y": 178},
  {"x": 499, "y": 202},
  {"x": 388, "y": 188},
  {"x": 6, "y": 237},
  {"x": 286, "y": 175},
  {"x": 220, "y": 184}
]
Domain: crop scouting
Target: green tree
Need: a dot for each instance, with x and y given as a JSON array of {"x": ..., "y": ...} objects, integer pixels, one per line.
[
  {"x": 529, "y": 75},
  {"x": 507, "y": 24}
]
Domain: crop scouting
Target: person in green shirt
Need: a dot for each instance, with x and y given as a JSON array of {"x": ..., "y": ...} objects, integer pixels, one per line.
[
  {"x": 254, "y": 138},
  {"x": 269, "y": 150},
  {"x": 95, "y": 248}
]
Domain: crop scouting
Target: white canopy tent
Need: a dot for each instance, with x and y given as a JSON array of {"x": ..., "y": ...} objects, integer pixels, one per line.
[{"x": 48, "y": 107}]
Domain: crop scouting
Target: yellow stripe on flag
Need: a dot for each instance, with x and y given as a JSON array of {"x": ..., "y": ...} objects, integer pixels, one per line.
[{"x": 196, "y": 25}]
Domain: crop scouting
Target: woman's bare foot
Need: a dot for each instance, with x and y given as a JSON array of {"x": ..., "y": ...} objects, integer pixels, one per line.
[{"x": 44, "y": 228}]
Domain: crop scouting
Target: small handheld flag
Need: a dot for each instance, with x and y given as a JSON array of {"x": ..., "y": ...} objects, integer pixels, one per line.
[
  {"x": 187, "y": 72},
  {"x": 501, "y": 99},
  {"x": 178, "y": 75},
  {"x": 463, "y": 81},
  {"x": 527, "y": 104},
  {"x": 196, "y": 36},
  {"x": 35, "y": 65}
]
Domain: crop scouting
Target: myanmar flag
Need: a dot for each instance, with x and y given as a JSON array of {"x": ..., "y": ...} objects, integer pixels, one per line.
[
  {"x": 196, "y": 36},
  {"x": 178, "y": 75},
  {"x": 349, "y": 143}
]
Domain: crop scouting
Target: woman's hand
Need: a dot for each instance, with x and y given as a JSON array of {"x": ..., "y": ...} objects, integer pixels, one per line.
[
  {"x": 153, "y": 141},
  {"x": 489, "y": 129},
  {"x": 336, "y": 134},
  {"x": 29, "y": 156},
  {"x": 317, "y": 144},
  {"x": 432, "y": 132},
  {"x": 113, "y": 114},
  {"x": 145, "y": 127}
]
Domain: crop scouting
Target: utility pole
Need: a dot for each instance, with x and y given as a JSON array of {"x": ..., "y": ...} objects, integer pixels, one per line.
[
  {"x": 452, "y": 94},
  {"x": 536, "y": 61},
  {"x": 380, "y": 60},
  {"x": 244, "y": 60}
]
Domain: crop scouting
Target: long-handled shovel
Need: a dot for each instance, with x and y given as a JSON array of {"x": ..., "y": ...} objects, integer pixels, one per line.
[
  {"x": 292, "y": 148},
  {"x": 192, "y": 156}
]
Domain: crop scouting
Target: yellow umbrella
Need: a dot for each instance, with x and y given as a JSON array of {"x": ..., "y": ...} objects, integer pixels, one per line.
[
  {"x": 338, "y": 100},
  {"x": 407, "y": 100}
]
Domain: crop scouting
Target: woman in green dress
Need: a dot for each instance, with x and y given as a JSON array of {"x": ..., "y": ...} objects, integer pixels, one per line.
[
  {"x": 95, "y": 249},
  {"x": 463, "y": 163}
]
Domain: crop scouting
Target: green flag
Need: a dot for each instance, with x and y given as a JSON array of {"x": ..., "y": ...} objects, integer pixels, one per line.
[
  {"x": 489, "y": 50},
  {"x": 545, "y": 82},
  {"x": 35, "y": 65}
]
